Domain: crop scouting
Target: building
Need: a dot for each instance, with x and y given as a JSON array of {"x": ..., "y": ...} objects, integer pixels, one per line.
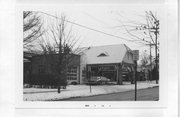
[
  {"x": 43, "y": 72},
  {"x": 111, "y": 61},
  {"x": 27, "y": 67},
  {"x": 114, "y": 62}
]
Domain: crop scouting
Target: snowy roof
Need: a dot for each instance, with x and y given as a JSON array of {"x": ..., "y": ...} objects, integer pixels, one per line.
[{"x": 105, "y": 54}]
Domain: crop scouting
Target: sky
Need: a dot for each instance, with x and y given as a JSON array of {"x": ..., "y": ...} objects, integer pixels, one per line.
[{"x": 104, "y": 18}]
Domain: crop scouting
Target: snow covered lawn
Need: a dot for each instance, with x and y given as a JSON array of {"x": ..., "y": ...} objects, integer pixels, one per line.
[{"x": 39, "y": 94}]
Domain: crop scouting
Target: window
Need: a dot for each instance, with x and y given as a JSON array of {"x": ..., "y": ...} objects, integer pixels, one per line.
[
  {"x": 103, "y": 54},
  {"x": 72, "y": 73}
]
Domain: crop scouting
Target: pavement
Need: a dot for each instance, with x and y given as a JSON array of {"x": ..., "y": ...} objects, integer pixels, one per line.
[{"x": 72, "y": 91}]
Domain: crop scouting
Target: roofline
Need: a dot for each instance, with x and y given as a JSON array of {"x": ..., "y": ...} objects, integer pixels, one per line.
[
  {"x": 104, "y": 45},
  {"x": 87, "y": 48},
  {"x": 53, "y": 54}
]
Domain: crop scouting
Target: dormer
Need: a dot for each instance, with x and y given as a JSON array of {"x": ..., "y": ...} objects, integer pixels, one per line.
[{"x": 104, "y": 54}]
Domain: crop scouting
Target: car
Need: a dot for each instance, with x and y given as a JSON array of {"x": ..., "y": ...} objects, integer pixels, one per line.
[
  {"x": 72, "y": 82},
  {"x": 97, "y": 80},
  {"x": 104, "y": 80}
]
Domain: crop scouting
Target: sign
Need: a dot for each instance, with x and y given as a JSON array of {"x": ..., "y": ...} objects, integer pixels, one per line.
[
  {"x": 135, "y": 54},
  {"x": 135, "y": 58}
]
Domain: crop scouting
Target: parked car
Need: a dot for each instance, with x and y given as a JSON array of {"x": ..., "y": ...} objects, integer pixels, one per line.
[
  {"x": 97, "y": 80},
  {"x": 72, "y": 82}
]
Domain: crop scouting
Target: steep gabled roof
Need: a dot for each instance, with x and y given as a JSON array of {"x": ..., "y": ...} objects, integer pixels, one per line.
[{"x": 112, "y": 54}]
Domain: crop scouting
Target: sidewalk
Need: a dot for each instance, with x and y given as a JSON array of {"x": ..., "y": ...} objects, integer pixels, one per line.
[{"x": 38, "y": 94}]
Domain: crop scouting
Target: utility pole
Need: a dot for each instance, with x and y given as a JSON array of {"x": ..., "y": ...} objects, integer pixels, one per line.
[
  {"x": 156, "y": 73},
  {"x": 156, "y": 28},
  {"x": 150, "y": 46},
  {"x": 153, "y": 28},
  {"x": 135, "y": 66},
  {"x": 156, "y": 31},
  {"x": 150, "y": 64}
]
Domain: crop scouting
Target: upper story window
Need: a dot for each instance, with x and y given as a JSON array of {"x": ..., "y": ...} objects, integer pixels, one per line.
[{"x": 103, "y": 54}]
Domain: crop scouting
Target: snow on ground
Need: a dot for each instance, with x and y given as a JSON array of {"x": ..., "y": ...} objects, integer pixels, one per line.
[{"x": 39, "y": 94}]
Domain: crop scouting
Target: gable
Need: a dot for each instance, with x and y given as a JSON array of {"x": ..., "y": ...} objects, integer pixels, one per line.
[{"x": 128, "y": 58}]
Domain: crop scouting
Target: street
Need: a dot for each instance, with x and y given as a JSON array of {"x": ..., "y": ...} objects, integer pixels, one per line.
[{"x": 150, "y": 94}]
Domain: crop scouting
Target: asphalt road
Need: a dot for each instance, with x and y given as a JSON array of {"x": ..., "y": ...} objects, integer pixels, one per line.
[{"x": 150, "y": 94}]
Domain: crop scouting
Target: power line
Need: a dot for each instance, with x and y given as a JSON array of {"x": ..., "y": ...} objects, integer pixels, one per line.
[{"x": 83, "y": 26}]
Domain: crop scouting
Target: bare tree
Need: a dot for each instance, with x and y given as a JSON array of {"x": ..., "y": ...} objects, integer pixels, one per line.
[
  {"x": 141, "y": 31},
  {"x": 59, "y": 42},
  {"x": 32, "y": 29},
  {"x": 146, "y": 33}
]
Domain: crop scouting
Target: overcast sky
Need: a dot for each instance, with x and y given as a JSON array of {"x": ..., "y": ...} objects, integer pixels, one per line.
[{"x": 104, "y": 18}]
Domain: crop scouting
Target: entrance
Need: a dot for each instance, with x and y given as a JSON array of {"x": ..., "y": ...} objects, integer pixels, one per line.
[{"x": 107, "y": 71}]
